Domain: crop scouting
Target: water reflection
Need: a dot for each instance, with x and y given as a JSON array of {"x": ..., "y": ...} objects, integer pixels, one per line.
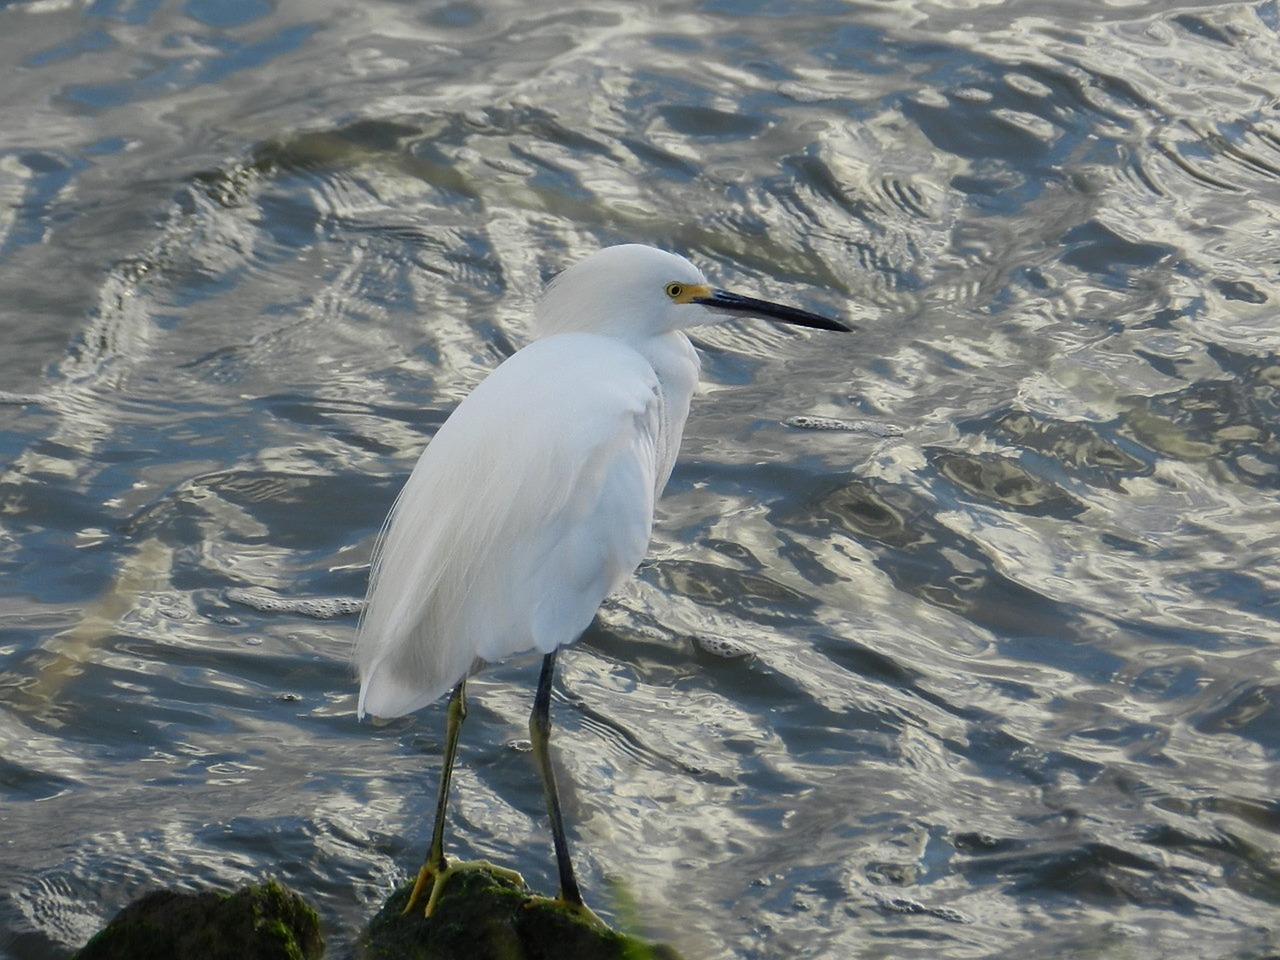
[{"x": 1003, "y": 675}]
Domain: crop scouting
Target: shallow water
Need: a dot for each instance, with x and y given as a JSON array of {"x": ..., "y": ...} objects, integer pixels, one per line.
[{"x": 1004, "y": 675}]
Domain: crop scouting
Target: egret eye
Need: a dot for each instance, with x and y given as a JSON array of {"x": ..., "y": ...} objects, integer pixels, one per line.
[{"x": 674, "y": 290}]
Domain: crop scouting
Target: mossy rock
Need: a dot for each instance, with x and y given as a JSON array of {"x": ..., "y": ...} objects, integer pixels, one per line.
[
  {"x": 482, "y": 915},
  {"x": 263, "y": 922}
]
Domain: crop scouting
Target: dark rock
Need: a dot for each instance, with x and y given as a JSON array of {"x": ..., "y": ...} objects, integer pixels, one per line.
[
  {"x": 485, "y": 916},
  {"x": 264, "y": 922}
]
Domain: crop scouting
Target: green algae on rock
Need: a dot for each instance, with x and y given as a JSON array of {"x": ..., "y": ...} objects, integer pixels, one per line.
[
  {"x": 482, "y": 915},
  {"x": 265, "y": 921}
]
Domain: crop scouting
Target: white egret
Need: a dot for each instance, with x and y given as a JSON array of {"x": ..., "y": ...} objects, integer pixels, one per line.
[{"x": 535, "y": 500}]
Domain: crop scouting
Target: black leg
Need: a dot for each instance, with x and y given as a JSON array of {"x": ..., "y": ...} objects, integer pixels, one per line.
[
  {"x": 435, "y": 862},
  {"x": 539, "y": 734}
]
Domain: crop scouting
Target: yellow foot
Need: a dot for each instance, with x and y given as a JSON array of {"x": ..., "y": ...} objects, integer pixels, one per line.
[
  {"x": 580, "y": 909},
  {"x": 434, "y": 877}
]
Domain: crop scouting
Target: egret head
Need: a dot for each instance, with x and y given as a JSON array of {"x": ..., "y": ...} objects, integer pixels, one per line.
[{"x": 636, "y": 291}]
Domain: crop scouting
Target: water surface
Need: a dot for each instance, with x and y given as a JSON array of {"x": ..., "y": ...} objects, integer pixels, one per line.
[{"x": 1005, "y": 675}]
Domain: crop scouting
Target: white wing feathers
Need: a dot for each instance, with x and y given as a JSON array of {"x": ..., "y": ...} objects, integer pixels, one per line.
[{"x": 564, "y": 460}]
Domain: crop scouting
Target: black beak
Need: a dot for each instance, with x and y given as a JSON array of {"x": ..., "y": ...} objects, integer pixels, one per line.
[{"x": 737, "y": 303}]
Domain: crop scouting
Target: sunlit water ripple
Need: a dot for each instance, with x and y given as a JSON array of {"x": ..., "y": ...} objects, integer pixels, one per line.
[{"x": 990, "y": 671}]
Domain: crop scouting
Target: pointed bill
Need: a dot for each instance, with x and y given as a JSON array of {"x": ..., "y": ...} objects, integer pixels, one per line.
[{"x": 723, "y": 300}]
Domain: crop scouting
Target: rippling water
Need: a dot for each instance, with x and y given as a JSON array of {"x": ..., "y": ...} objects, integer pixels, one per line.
[{"x": 1002, "y": 673}]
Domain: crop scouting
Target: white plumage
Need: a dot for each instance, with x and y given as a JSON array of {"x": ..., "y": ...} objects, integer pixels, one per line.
[{"x": 535, "y": 499}]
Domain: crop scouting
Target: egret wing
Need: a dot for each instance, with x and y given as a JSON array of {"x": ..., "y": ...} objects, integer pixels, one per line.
[{"x": 531, "y": 504}]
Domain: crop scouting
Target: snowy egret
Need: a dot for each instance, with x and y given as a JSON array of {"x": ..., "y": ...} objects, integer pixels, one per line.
[{"x": 535, "y": 500}]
